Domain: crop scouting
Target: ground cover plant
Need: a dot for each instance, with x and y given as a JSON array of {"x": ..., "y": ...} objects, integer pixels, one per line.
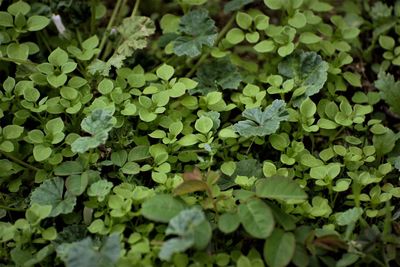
[{"x": 199, "y": 133}]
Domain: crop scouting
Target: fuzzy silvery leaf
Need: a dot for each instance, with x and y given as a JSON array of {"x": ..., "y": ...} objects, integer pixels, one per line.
[
  {"x": 197, "y": 29},
  {"x": 308, "y": 70},
  {"x": 218, "y": 74},
  {"x": 51, "y": 192},
  {"x": 135, "y": 31},
  {"x": 185, "y": 221},
  {"x": 99, "y": 123},
  {"x": 174, "y": 245},
  {"x": 261, "y": 123},
  {"x": 192, "y": 229},
  {"x": 85, "y": 253}
]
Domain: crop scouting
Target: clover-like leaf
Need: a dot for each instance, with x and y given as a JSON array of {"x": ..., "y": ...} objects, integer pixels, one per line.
[
  {"x": 197, "y": 29},
  {"x": 51, "y": 192},
  {"x": 308, "y": 70},
  {"x": 261, "y": 123}
]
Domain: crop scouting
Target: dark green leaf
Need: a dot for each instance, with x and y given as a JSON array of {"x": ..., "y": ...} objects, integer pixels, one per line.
[
  {"x": 197, "y": 29},
  {"x": 51, "y": 192},
  {"x": 261, "y": 123}
]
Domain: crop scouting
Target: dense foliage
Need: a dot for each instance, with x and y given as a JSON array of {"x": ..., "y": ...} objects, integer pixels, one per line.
[{"x": 199, "y": 133}]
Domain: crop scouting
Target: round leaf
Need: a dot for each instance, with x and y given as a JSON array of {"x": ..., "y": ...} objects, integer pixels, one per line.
[
  {"x": 162, "y": 208},
  {"x": 279, "y": 248},
  {"x": 256, "y": 218}
]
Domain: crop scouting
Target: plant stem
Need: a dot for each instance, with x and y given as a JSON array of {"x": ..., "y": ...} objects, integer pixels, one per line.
[
  {"x": 93, "y": 17},
  {"x": 18, "y": 61},
  {"x": 10, "y": 209},
  {"x": 20, "y": 162},
  {"x": 205, "y": 56},
  {"x": 109, "y": 25},
  {"x": 135, "y": 8}
]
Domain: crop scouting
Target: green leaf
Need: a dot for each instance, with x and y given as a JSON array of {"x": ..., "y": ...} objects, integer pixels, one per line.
[
  {"x": 37, "y": 23},
  {"x": 203, "y": 124},
  {"x": 135, "y": 32},
  {"x": 12, "y": 131},
  {"x": 353, "y": 78},
  {"x": 105, "y": 86},
  {"x": 228, "y": 222},
  {"x": 68, "y": 168},
  {"x": 384, "y": 143},
  {"x": 100, "y": 189},
  {"x": 174, "y": 245},
  {"x": 265, "y": 46},
  {"x": 280, "y": 188},
  {"x": 349, "y": 216},
  {"x": 216, "y": 75},
  {"x": 41, "y": 152},
  {"x": 261, "y": 123},
  {"x": 162, "y": 208},
  {"x": 274, "y": 4},
  {"x": 234, "y": 5},
  {"x": 76, "y": 184},
  {"x": 298, "y": 20},
  {"x": 256, "y": 218},
  {"x": 244, "y": 20},
  {"x": 86, "y": 253},
  {"x": 197, "y": 29},
  {"x": 165, "y": 72},
  {"x": 386, "y": 42},
  {"x": 279, "y": 248},
  {"x": 309, "y": 38},
  {"x": 18, "y": 51},
  {"x": 19, "y": 7},
  {"x": 99, "y": 123},
  {"x": 58, "y": 57},
  {"x": 6, "y": 20},
  {"x": 192, "y": 229},
  {"x": 51, "y": 192},
  {"x": 308, "y": 70},
  {"x": 389, "y": 90}
]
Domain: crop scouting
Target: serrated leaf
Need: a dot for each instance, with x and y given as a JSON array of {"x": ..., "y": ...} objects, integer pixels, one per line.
[
  {"x": 308, "y": 70},
  {"x": 216, "y": 75},
  {"x": 280, "y": 188},
  {"x": 135, "y": 31},
  {"x": 51, "y": 192},
  {"x": 197, "y": 29},
  {"x": 99, "y": 123},
  {"x": 85, "y": 253},
  {"x": 261, "y": 123}
]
